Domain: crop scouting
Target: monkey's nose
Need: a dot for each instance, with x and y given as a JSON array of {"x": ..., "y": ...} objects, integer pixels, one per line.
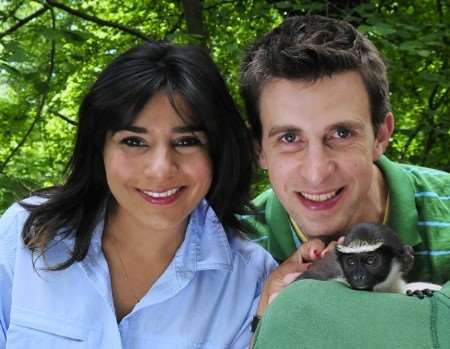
[
  {"x": 360, "y": 277},
  {"x": 359, "y": 282}
]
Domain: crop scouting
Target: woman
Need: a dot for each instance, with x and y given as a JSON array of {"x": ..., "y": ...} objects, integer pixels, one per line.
[{"x": 140, "y": 247}]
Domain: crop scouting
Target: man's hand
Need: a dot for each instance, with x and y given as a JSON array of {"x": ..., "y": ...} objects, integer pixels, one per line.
[
  {"x": 281, "y": 277},
  {"x": 291, "y": 269},
  {"x": 315, "y": 249}
]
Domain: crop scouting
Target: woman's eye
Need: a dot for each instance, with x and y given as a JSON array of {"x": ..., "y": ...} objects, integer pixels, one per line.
[
  {"x": 289, "y": 137},
  {"x": 187, "y": 142},
  {"x": 133, "y": 142}
]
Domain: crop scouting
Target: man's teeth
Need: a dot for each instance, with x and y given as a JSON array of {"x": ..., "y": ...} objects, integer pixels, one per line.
[
  {"x": 163, "y": 194},
  {"x": 319, "y": 197}
]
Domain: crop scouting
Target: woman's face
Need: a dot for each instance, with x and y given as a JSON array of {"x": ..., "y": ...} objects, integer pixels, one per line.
[{"x": 158, "y": 169}]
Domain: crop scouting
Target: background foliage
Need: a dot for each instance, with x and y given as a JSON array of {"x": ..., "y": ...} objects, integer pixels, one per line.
[{"x": 51, "y": 51}]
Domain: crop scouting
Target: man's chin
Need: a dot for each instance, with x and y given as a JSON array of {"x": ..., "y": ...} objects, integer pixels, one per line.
[
  {"x": 323, "y": 234},
  {"x": 327, "y": 238}
]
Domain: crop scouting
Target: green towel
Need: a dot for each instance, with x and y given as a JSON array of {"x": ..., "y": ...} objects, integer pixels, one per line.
[{"x": 327, "y": 314}]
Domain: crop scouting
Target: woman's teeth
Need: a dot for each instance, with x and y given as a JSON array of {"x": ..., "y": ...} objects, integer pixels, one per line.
[{"x": 163, "y": 194}]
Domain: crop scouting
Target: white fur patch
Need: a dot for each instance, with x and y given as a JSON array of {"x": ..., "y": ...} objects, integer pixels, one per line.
[
  {"x": 419, "y": 286},
  {"x": 394, "y": 281},
  {"x": 359, "y": 246}
]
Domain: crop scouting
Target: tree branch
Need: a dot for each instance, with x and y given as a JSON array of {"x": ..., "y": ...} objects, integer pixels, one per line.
[
  {"x": 410, "y": 139},
  {"x": 23, "y": 22},
  {"x": 97, "y": 20},
  {"x": 65, "y": 118},
  {"x": 41, "y": 103}
]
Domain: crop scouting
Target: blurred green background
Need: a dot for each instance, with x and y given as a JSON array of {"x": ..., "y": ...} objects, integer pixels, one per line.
[{"x": 51, "y": 51}]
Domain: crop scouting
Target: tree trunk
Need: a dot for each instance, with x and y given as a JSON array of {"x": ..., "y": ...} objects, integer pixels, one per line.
[{"x": 193, "y": 16}]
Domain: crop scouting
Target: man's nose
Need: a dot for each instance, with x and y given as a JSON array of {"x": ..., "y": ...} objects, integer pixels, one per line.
[{"x": 318, "y": 165}]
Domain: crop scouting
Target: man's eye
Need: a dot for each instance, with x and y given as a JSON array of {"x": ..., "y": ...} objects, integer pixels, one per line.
[
  {"x": 343, "y": 133},
  {"x": 133, "y": 142},
  {"x": 187, "y": 142},
  {"x": 289, "y": 137}
]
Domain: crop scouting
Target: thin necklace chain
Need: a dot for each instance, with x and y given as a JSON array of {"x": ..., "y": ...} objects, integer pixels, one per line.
[{"x": 124, "y": 269}]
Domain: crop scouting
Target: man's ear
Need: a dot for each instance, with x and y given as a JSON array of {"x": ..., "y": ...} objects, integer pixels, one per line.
[
  {"x": 384, "y": 133},
  {"x": 262, "y": 162}
]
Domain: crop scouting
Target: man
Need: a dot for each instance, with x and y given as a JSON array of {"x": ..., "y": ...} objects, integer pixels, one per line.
[{"x": 317, "y": 97}]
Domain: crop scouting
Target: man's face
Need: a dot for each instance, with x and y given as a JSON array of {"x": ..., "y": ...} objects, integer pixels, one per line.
[{"x": 318, "y": 145}]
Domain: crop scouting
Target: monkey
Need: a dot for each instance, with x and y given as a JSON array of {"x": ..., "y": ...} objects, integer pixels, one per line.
[{"x": 371, "y": 258}]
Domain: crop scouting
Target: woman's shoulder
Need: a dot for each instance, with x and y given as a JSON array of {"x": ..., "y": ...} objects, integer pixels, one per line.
[
  {"x": 13, "y": 219},
  {"x": 11, "y": 224}
]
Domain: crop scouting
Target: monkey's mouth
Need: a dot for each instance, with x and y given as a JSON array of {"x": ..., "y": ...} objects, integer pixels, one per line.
[{"x": 361, "y": 287}]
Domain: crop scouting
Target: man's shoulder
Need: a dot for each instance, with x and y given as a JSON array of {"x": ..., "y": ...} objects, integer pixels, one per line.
[
  {"x": 419, "y": 177},
  {"x": 266, "y": 210},
  {"x": 256, "y": 219},
  {"x": 408, "y": 182},
  {"x": 424, "y": 177},
  {"x": 262, "y": 199}
]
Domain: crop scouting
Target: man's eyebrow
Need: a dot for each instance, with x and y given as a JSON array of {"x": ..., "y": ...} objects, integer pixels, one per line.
[
  {"x": 283, "y": 129},
  {"x": 351, "y": 124}
]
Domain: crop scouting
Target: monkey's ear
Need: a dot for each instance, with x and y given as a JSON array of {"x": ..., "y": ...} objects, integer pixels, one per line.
[{"x": 407, "y": 257}]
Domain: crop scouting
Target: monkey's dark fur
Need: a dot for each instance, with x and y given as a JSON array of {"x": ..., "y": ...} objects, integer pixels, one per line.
[{"x": 371, "y": 257}]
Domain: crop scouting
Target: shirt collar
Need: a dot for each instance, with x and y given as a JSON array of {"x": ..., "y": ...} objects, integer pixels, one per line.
[
  {"x": 403, "y": 215},
  {"x": 206, "y": 244}
]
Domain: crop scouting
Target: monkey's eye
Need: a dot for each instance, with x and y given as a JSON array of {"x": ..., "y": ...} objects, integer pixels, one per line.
[
  {"x": 372, "y": 260},
  {"x": 350, "y": 261}
]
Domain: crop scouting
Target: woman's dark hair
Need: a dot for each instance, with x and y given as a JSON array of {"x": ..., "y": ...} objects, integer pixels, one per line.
[
  {"x": 309, "y": 48},
  {"x": 112, "y": 103}
]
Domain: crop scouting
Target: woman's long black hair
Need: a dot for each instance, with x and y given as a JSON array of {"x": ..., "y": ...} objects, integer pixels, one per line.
[{"x": 114, "y": 101}]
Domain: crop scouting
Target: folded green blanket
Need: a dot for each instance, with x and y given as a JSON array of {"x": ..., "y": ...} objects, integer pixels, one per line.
[{"x": 327, "y": 314}]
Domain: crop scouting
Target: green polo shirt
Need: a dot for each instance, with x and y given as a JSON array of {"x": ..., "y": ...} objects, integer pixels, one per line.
[{"x": 419, "y": 213}]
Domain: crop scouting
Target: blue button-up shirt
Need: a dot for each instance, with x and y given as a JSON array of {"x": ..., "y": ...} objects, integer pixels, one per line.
[{"x": 206, "y": 297}]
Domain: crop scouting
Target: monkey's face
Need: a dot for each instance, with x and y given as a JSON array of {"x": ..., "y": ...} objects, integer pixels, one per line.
[{"x": 366, "y": 269}]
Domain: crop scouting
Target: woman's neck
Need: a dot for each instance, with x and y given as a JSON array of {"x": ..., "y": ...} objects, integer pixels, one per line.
[
  {"x": 137, "y": 238},
  {"x": 137, "y": 256}
]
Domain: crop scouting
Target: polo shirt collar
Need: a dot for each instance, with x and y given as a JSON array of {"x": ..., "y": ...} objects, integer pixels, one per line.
[{"x": 403, "y": 214}]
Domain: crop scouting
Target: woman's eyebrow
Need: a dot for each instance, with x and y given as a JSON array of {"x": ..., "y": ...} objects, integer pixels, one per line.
[
  {"x": 187, "y": 129},
  {"x": 177, "y": 129},
  {"x": 131, "y": 128}
]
